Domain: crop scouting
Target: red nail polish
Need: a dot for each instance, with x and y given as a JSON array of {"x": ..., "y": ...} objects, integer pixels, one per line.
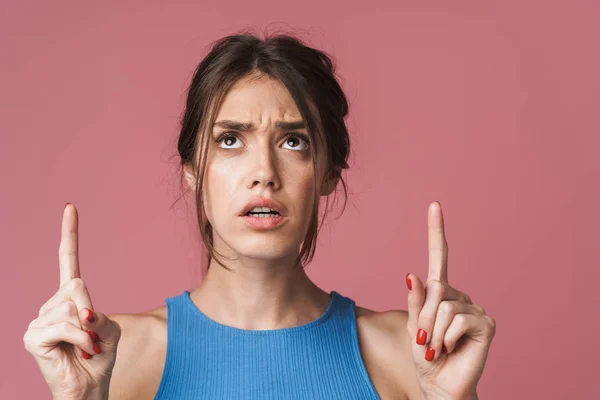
[
  {"x": 97, "y": 348},
  {"x": 86, "y": 355},
  {"x": 408, "y": 282},
  {"x": 444, "y": 350},
  {"x": 421, "y": 336},
  {"x": 93, "y": 335},
  {"x": 90, "y": 316},
  {"x": 429, "y": 354},
  {"x": 66, "y": 204}
]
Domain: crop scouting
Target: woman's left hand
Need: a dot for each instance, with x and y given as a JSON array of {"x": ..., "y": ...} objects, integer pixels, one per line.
[{"x": 450, "y": 335}]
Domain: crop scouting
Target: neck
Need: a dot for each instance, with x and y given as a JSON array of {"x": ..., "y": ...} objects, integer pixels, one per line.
[{"x": 260, "y": 294}]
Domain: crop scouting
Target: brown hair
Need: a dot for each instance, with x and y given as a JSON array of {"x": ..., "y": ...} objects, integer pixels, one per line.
[{"x": 309, "y": 76}]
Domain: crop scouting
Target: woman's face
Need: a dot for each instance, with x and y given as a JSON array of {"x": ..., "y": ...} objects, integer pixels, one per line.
[{"x": 260, "y": 160}]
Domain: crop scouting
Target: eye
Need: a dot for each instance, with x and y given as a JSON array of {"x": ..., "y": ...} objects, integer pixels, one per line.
[
  {"x": 295, "y": 139},
  {"x": 229, "y": 138}
]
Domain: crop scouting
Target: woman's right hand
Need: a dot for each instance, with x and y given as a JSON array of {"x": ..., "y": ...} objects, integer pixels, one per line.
[{"x": 74, "y": 346}]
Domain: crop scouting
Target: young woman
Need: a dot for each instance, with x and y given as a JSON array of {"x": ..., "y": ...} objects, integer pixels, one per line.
[{"x": 262, "y": 141}]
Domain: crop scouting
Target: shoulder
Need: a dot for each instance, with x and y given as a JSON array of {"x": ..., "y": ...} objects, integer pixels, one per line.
[
  {"x": 141, "y": 354},
  {"x": 387, "y": 353}
]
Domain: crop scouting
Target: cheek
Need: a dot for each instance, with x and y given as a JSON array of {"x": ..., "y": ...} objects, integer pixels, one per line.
[
  {"x": 305, "y": 187},
  {"x": 219, "y": 183}
]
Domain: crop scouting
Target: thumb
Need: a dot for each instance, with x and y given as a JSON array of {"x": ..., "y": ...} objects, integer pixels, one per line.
[{"x": 416, "y": 300}]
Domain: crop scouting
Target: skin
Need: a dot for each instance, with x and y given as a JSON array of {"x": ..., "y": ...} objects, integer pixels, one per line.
[{"x": 265, "y": 292}]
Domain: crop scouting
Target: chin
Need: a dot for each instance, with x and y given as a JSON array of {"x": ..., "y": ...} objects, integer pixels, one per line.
[{"x": 266, "y": 248}]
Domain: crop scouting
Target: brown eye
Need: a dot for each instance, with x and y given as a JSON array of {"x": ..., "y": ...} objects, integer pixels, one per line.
[
  {"x": 295, "y": 140},
  {"x": 229, "y": 139}
]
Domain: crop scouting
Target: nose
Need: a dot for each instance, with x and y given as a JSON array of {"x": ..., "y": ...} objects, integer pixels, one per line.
[{"x": 264, "y": 171}]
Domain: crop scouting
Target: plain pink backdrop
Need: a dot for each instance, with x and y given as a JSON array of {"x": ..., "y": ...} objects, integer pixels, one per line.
[{"x": 491, "y": 109}]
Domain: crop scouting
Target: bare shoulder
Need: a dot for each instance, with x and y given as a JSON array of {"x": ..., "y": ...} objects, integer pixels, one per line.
[
  {"x": 386, "y": 352},
  {"x": 141, "y": 355}
]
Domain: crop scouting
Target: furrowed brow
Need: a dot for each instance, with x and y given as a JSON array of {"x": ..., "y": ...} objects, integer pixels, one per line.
[
  {"x": 234, "y": 125},
  {"x": 247, "y": 126},
  {"x": 290, "y": 126}
]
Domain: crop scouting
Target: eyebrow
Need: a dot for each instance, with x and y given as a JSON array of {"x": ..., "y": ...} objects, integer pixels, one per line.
[{"x": 248, "y": 126}]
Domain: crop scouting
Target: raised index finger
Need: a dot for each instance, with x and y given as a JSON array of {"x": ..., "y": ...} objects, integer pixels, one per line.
[
  {"x": 438, "y": 247},
  {"x": 68, "y": 250}
]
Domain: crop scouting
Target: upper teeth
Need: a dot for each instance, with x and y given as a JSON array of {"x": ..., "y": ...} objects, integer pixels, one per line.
[{"x": 261, "y": 209}]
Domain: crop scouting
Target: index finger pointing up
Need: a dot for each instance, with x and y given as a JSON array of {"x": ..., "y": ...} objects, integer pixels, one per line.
[
  {"x": 68, "y": 250},
  {"x": 438, "y": 247}
]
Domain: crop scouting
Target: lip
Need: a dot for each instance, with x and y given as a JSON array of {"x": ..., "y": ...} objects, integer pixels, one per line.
[
  {"x": 258, "y": 201},
  {"x": 264, "y": 223}
]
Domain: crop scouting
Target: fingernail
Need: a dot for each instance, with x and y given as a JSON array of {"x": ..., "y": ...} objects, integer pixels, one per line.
[
  {"x": 444, "y": 350},
  {"x": 90, "y": 316},
  {"x": 408, "y": 282},
  {"x": 97, "y": 348},
  {"x": 66, "y": 204},
  {"x": 429, "y": 354},
  {"x": 421, "y": 336},
  {"x": 85, "y": 355},
  {"x": 93, "y": 335}
]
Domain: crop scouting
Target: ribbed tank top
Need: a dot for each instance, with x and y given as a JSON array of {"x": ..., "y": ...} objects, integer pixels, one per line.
[{"x": 317, "y": 360}]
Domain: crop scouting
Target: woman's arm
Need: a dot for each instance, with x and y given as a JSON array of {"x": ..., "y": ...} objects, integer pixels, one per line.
[
  {"x": 140, "y": 356},
  {"x": 386, "y": 353}
]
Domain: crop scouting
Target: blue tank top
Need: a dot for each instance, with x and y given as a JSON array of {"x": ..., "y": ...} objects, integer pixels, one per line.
[{"x": 317, "y": 360}]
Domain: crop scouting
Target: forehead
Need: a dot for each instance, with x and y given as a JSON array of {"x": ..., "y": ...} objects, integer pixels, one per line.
[{"x": 257, "y": 98}]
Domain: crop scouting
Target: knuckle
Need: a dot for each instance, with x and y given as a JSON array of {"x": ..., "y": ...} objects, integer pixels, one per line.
[
  {"x": 77, "y": 284},
  {"x": 68, "y": 308},
  {"x": 28, "y": 346},
  {"x": 63, "y": 251},
  {"x": 448, "y": 307},
  {"x": 435, "y": 286},
  {"x": 117, "y": 334},
  {"x": 461, "y": 320},
  {"x": 63, "y": 326},
  {"x": 478, "y": 308},
  {"x": 64, "y": 248},
  {"x": 467, "y": 298},
  {"x": 42, "y": 310},
  {"x": 29, "y": 342},
  {"x": 491, "y": 321},
  {"x": 438, "y": 285}
]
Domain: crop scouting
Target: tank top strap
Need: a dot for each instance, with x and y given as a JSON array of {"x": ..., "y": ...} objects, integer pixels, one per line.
[
  {"x": 179, "y": 321},
  {"x": 343, "y": 306},
  {"x": 346, "y": 329}
]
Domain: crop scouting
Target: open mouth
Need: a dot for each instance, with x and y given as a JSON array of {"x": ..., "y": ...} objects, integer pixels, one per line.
[
  {"x": 264, "y": 219},
  {"x": 262, "y": 214}
]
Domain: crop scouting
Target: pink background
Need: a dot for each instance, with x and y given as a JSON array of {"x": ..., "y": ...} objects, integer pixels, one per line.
[{"x": 492, "y": 109}]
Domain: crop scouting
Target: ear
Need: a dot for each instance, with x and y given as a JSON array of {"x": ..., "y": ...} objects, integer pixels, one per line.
[
  {"x": 190, "y": 177},
  {"x": 330, "y": 182}
]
